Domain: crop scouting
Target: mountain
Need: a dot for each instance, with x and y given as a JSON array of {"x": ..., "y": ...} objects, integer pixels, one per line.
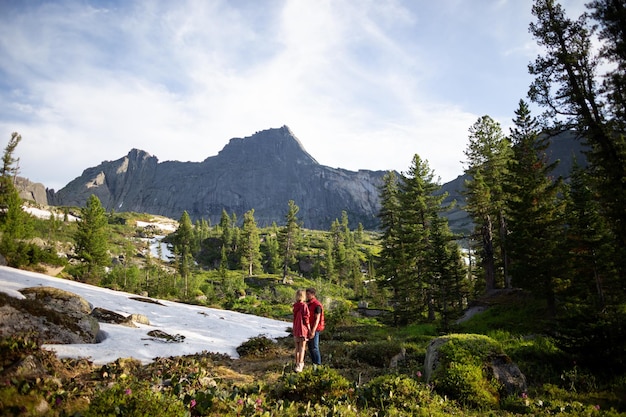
[{"x": 261, "y": 172}]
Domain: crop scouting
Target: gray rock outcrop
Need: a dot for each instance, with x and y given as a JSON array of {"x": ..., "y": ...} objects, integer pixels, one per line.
[
  {"x": 54, "y": 315},
  {"x": 263, "y": 171},
  {"x": 31, "y": 191}
]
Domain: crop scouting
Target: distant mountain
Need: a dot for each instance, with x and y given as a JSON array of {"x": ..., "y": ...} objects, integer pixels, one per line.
[{"x": 261, "y": 172}]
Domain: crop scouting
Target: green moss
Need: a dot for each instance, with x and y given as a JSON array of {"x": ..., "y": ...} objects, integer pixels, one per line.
[
  {"x": 469, "y": 348},
  {"x": 461, "y": 370}
]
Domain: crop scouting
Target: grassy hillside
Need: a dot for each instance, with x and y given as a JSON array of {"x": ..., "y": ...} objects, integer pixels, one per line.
[{"x": 359, "y": 377}]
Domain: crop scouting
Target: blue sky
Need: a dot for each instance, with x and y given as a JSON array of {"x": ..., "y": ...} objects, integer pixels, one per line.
[{"x": 363, "y": 84}]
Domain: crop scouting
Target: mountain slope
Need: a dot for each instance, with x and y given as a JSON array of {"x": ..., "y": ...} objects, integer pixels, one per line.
[{"x": 263, "y": 171}]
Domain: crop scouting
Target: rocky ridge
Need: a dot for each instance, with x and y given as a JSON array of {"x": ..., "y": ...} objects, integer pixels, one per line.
[{"x": 261, "y": 172}]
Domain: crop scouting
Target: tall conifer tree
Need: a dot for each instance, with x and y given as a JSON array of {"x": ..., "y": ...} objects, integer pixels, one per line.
[
  {"x": 290, "y": 238},
  {"x": 250, "y": 244},
  {"x": 92, "y": 237},
  {"x": 487, "y": 156},
  {"x": 534, "y": 209},
  {"x": 184, "y": 240}
]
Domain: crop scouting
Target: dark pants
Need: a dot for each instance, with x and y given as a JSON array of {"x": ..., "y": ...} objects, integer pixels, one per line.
[{"x": 314, "y": 349}]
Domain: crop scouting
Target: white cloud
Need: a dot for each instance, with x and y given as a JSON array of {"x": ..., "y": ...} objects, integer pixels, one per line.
[{"x": 363, "y": 85}]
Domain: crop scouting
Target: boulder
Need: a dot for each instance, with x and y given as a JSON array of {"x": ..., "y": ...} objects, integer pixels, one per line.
[
  {"x": 472, "y": 369},
  {"x": 107, "y": 316},
  {"x": 55, "y": 316}
]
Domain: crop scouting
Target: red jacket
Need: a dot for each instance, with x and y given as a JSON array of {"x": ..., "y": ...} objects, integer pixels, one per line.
[
  {"x": 300, "y": 320},
  {"x": 315, "y": 307}
]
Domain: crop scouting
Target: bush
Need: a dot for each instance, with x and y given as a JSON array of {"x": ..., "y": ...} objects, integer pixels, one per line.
[
  {"x": 468, "y": 384},
  {"x": 260, "y": 347},
  {"x": 377, "y": 353},
  {"x": 399, "y": 391},
  {"x": 134, "y": 400},
  {"x": 321, "y": 385}
]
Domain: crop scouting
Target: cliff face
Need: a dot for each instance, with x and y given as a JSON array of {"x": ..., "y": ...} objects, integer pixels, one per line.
[
  {"x": 32, "y": 191},
  {"x": 263, "y": 171}
]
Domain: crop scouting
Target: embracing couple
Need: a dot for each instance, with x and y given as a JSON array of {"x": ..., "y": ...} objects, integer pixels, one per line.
[{"x": 308, "y": 322}]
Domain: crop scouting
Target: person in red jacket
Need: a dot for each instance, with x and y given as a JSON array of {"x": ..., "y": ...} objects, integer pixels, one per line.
[
  {"x": 317, "y": 325},
  {"x": 301, "y": 328}
]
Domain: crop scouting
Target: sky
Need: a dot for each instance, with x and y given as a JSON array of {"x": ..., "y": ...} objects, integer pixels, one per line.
[
  {"x": 362, "y": 84},
  {"x": 205, "y": 329}
]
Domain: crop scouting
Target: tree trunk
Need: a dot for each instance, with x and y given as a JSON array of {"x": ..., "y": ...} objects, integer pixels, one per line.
[{"x": 488, "y": 256}]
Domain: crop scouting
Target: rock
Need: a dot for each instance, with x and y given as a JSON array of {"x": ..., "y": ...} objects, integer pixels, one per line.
[
  {"x": 431, "y": 360},
  {"x": 277, "y": 169},
  {"x": 472, "y": 369},
  {"x": 107, "y": 316},
  {"x": 400, "y": 356},
  {"x": 508, "y": 375},
  {"x": 140, "y": 318},
  {"x": 55, "y": 316},
  {"x": 57, "y": 299},
  {"x": 31, "y": 191}
]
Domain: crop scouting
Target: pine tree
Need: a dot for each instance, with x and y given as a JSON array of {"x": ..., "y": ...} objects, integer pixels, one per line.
[
  {"x": 92, "y": 237},
  {"x": 271, "y": 250},
  {"x": 448, "y": 277},
  {"x": 329, "y": 261},
  {"x": 487, "y": 156},
  {"x": 290, "y": 238},
  {"x": 592, "y": 278},
  {"x": 250, "y": 244},
  {"x": 534, "y": 209},
  {"x": 420, "y": 205},
  {"x": 611, "y": 16},
  {"x": 226, "y": 231},
  {"x": 8, "y": 172},
  {"x": 393, "y": 266},
  {"x": 566, "y": 85},
  {"x": 183, "y": 242},
  {"x": 15, "y": 223}
]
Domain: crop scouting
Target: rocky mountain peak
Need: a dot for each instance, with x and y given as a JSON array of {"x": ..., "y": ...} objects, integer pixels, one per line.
[
  {"x": 261, "y": 172},
  {"x": 269, "y": 146}
]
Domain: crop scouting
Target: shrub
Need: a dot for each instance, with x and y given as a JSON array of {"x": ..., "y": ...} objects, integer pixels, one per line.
[
  {"x": 320, "y": 385},
  {"x": 399, "y": 391},
  {"x": 260, "y": 347},
  {"x": 468, "y": 384},
  {"x": 134, "y": 400},
  {"x": 377, "y": 353}
]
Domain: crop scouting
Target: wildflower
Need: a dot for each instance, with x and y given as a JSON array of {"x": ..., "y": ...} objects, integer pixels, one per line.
[
  {"x": 259, "y": 401},
  {"x": 597, "y": 407},
  {"x": 419, "y": 374},
  {"x": 192, "y": 403},
  {"x": 128, "y": 391},
  {"x": 58, "y": 401},
  {"x": 240, "y": 401},
  {"x": 524, "y": 395}
]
